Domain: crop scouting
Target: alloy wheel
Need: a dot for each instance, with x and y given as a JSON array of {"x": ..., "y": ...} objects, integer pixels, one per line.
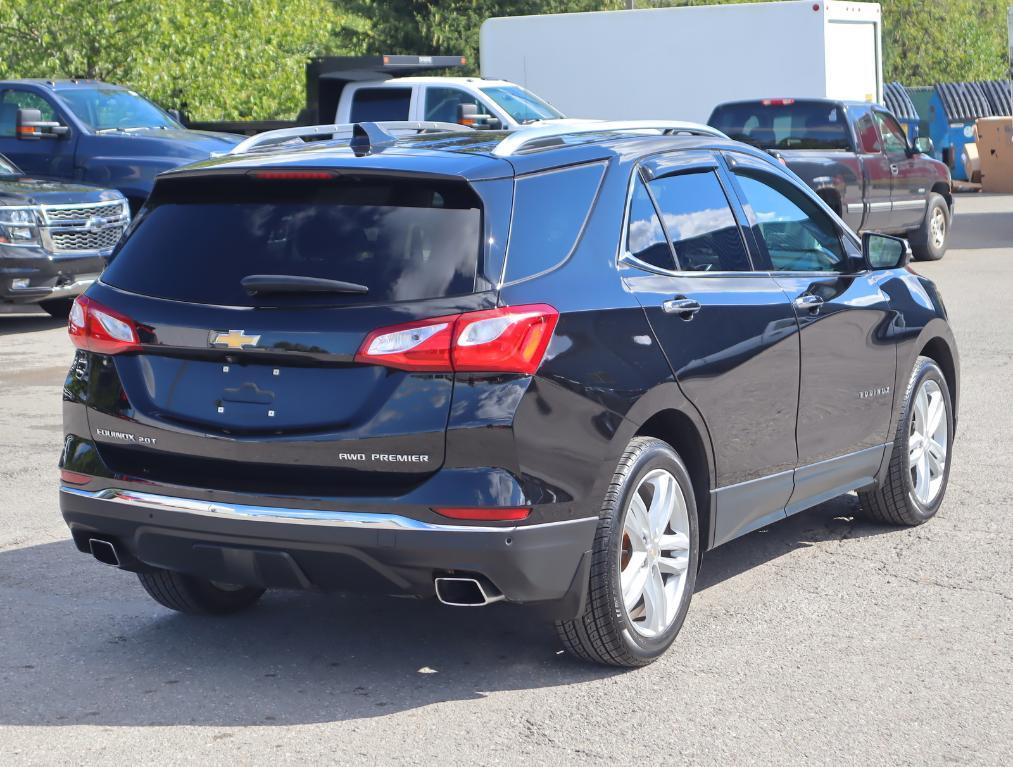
[
  {"x": 927, "y": 441},
  {"x": 654, "y": 556},
  {"x": 937, "y": 228}
]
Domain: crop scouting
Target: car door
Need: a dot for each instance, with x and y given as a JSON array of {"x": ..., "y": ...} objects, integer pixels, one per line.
[
  {"x": 875, "y": 169},
  {"x": 909, "y": 192},
  {"x": 848, "y": 357},
  {"x": 52, "y": 156},
  {"x": 729, "y": 332}
]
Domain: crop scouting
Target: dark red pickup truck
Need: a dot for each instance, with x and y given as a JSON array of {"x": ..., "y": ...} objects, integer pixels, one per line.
[{"x": 858, "y": 159}]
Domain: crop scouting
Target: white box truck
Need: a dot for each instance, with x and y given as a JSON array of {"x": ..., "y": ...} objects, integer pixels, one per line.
[{"x": 679, "y": 63}]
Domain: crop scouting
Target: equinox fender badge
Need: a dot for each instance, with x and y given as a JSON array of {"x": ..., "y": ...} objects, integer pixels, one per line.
[{"x": 234, "y": 339}]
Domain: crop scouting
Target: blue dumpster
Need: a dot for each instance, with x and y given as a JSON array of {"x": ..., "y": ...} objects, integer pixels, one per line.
[
  {"x": 898, "y": 101},
  {"x": 953, "y": 109}
]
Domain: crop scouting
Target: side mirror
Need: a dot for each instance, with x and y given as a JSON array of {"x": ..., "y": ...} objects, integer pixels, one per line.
[
  {"x": 885, "y": 252},
  {"x": 467, "y": 114},
  {"x": 176, "y": 115},
  {"x": 31, "y": 126},
  {"x": 924, "y": 145}
]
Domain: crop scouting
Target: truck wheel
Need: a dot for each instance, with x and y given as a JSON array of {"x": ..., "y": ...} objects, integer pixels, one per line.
[
  {"x": 197, "y": 596},
  {"x": 919, "y": 466},
  {"x": 928, "y": 242},
  {"x": 644, "y": 561},
  {"x": 58, "y": 308}
]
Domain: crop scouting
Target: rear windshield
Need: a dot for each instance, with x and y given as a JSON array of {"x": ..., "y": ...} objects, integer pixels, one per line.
[
  {"x": 404, "y": 240},
  {"x": 784, "y": 124}
]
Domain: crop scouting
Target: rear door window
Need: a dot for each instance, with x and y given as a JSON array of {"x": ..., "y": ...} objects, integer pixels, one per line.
[
  {"x": 380, "y": 104},
  {"x": 404, "y": 240},
  {"x": 645, "y": 237},
  {"x": 699, "y": 222},
  {"x": 550, "y": 210}
]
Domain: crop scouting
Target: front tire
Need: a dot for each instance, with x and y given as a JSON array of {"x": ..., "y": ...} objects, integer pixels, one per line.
[
  {"x": 644, "y": 561},
  {"x": 928, "y": 242},
  {"x": 197, "y": 596},
  {"x": 919, "y": 466}
]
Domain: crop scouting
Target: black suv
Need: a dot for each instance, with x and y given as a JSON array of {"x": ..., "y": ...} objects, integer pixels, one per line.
[{"x": 548, "y": 367}]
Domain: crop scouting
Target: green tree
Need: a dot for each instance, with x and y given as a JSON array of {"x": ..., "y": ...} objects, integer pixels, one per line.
[
  {"x": 448, "y": 27},
  {"x": 234, "y": 59}
]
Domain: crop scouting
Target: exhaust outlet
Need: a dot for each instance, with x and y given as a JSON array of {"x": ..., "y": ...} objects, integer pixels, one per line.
[
  {"x": 104, "y": 552},
  {"x": 465, "y": 592}
]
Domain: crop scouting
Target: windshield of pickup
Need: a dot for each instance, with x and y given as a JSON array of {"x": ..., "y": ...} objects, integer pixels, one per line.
[
  {"x": 521, "y": 105},
  {"x": 784, "y": 124},
  {"x": 103, "y": 109}
]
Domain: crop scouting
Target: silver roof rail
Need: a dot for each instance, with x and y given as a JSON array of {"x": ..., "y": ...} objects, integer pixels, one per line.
[
  {"x": 525, "y": 138},
  {"x": 338, "y": 130}
]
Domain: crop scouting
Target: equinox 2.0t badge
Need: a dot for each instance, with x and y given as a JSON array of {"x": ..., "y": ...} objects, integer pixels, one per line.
[{"x": 234, "y": 339}]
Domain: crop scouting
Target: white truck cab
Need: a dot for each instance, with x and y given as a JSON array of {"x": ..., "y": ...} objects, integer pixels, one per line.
[
  {"x": 496, "y": 103},
  {"x": 352, "y": 89}
]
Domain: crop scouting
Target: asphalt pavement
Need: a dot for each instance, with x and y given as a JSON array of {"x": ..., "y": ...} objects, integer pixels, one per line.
[{"x": 823, "y": 639}]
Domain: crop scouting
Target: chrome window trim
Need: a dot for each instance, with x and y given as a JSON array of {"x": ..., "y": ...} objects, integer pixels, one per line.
[{"x": 285, "y": 515}]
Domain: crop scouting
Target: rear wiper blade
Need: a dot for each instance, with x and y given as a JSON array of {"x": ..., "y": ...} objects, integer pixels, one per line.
[{"x": 261, "y": 284}]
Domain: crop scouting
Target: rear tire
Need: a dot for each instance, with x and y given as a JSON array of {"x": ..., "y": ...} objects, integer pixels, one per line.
[
  {"x": 918, "y": 446},
  {"x": 196, "y": 596},
  {"x": 58, "y": 308},
  {"x": 621, "y": 625},
  {"x": 928, "y": 242}
]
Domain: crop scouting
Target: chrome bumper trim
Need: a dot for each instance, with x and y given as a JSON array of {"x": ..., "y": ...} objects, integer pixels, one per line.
[{"x": 352, "y": 519}]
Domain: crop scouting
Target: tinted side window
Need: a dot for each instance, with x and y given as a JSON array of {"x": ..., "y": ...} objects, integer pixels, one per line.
[
  {"x": 798, "y": 235},
  {"x": 700, "y": 223},
  {"x": 645, "y": 238},
  {"x": 13, "y": 100},
  {"x": 442, "y": 103},
  {"x": 893, "y": 135},
  {"x": 549, "y": 213},
  {"x": 378, "y": 104}
]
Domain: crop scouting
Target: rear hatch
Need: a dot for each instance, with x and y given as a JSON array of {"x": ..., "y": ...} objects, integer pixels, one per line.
[{"x": 256, "y": 387}]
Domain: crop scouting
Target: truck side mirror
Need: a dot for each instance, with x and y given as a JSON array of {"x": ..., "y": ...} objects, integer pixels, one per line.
[
  {"x": 467, "y": 114},
  {"x": 885, "y": 252},
  {"x": 924, "y": 145},
  {"x": 32, "y": 127}
]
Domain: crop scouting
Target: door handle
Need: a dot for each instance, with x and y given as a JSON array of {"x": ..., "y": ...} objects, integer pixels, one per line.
[
  {"x": 894, "y": 168},
  {"x": 684, "y": 307},
  {"x": 808, "y": 302}
]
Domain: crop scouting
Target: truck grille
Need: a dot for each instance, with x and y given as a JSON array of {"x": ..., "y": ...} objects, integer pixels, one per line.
[
  {"x": 73, "y": 213},
  {"x": 92, "y": 239},
  {"x": 81, "y": 229}
]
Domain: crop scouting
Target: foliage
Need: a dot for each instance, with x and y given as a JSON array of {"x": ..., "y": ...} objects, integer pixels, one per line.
[
  {"x": 235, "y": 59},
  {"x": 243, "y": 59}
]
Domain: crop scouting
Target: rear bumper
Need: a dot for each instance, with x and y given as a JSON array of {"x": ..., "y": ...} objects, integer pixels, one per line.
[{"x": 277, "y": 547}]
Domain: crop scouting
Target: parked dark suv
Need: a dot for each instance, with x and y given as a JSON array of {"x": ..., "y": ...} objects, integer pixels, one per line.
[{"x": 546, "y": 367}]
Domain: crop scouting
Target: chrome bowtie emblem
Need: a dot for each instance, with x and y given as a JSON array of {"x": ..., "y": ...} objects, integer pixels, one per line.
[
  {"x": 234, "y": 339},
  {"x": 96, "y": 222}
]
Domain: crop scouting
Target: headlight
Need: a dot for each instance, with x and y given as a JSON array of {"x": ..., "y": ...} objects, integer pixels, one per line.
[{"x": 19, "y": 226}]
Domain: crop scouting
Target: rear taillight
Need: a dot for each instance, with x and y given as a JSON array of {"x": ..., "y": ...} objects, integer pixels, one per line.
[
  {"x": 97, "y": 328},
  {"x": 508, "y": 340}
]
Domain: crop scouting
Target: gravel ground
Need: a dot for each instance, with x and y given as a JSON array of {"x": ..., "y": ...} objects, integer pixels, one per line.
[{"x": 820, "y": 640}]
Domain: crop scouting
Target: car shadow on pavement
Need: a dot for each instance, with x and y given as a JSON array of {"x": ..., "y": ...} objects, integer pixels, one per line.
[
  {"x": 838, "y": 519},
  {"x": 80, "y": 643},
  {"x": 11, "y": 324}
]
